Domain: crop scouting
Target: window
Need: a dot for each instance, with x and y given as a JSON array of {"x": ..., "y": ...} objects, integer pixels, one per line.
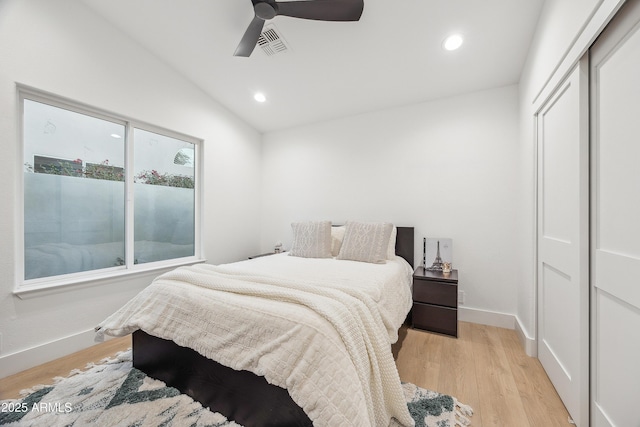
[
  {"x": 102, "y": 194},
  {"x": 164, "y": 210}
]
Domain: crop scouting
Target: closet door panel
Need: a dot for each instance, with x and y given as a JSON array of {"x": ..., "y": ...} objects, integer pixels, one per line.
[
  {"x": 616, "y": 361},
  {"x": 615, "y": 223},
  {"x": 620, "y": 276},
  {"x": 562, "y": 255},
  {"x": 619, "y": 149}
]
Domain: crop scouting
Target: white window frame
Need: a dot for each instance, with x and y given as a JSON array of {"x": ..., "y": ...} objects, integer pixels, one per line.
[{"x": 32, "y": 287}]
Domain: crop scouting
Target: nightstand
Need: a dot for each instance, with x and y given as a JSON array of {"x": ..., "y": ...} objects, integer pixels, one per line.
[{"x": 435, "y": 301}]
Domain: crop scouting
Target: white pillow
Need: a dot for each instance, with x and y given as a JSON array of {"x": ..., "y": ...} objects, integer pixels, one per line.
[
  {"x": 337, "y": 235},
  {"x": 391, "y": 251},
  {"x": 366, "y": 242},
  {"x": 311, "y": 239}
]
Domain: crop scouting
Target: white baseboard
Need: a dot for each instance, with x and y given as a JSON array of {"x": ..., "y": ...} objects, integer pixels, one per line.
[
  {"x": 500, "y": 320},
  {"x": 529, "y": 344},
  {"x": 484, "y": 317},
  {"x": 25, "y": 359}
]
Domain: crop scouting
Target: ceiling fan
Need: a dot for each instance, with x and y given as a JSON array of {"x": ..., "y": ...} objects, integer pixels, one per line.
[{"x": 320, "y": 10}]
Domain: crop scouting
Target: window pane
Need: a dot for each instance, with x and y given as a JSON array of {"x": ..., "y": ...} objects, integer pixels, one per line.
[
  {"x": 164, "y": 197},
  {"x": 73, "y": 192}
]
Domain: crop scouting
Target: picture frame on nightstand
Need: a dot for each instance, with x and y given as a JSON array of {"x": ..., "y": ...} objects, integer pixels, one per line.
[{"x": 437, "y": 251}]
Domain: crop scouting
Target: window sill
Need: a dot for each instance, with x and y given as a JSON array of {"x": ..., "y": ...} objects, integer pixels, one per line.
[{"x": 63, "y": 285}]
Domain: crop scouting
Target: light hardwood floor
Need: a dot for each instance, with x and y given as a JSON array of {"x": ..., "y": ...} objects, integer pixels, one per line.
[
  {"x": 485, "y": 368},
  {"x": 44, "y": 374}
]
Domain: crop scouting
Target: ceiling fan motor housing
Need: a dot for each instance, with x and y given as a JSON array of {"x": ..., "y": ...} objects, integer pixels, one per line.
[{"x": 265, "y": 11}]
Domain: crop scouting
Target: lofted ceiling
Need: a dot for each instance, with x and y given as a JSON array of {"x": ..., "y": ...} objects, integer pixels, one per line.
[{"x": 393, "y": 56}]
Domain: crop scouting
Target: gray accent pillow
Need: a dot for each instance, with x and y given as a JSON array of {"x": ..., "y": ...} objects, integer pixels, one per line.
[
  {"x": 311, "y": 239},
  {"x": 366, "y": 242}
]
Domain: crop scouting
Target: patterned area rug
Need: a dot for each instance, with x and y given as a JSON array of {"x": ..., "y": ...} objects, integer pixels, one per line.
[{"x": 114, "y": 393}]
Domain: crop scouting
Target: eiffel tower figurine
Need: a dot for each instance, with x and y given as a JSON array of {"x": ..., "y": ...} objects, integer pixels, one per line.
[{"x": 437, "y": 263}]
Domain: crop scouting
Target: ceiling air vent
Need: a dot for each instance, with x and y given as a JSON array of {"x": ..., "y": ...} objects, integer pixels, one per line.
[{"x": 271, "y": 41}]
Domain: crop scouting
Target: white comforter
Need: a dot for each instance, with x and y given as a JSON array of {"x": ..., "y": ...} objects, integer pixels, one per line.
[{"x": 321, "y": 328}]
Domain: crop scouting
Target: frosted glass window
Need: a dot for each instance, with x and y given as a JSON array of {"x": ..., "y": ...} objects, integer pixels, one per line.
[
  {"x": 102, "y": 194},
  {"x": 74, "y": 217},
  {"x": 164, "y": 197}
]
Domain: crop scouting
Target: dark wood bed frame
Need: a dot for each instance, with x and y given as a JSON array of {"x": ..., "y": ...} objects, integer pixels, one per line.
[{"x": 241, "y": 396}]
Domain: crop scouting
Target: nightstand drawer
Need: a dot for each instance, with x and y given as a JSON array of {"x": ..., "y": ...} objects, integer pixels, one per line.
[
  {"x": 432, "y": 292},
  {"x": 435, "y": 318}
]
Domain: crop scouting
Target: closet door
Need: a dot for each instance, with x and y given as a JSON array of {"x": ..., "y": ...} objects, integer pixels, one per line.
[
  {"x": 615, "y": 225},
  {"x": 563, "y": 251}
]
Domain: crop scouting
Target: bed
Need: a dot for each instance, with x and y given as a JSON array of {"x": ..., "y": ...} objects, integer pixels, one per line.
[{"x": 258, "y": 374}]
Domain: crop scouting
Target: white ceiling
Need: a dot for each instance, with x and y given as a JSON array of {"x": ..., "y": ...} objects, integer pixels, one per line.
[{"x": 391, "y": 57}]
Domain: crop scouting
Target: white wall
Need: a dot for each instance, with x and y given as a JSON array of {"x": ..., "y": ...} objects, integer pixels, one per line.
[
  {"x": 64, "y": 48},
  {"x": 445, "y": 167},
  {"x": 565, "y": 31},
  {"x": 450, "y": 168}
]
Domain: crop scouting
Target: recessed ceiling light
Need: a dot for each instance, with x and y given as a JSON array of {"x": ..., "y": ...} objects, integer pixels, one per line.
[
  {"x": 115, "y": 135},
  {"x": 260, "y": 97},
  {"x": 452, "y": 42}
]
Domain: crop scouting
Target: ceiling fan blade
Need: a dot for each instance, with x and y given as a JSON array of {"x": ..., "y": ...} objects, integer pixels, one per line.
[
  {"x": 250, "y": 38},
  {"x": 322, "y": 10}
]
